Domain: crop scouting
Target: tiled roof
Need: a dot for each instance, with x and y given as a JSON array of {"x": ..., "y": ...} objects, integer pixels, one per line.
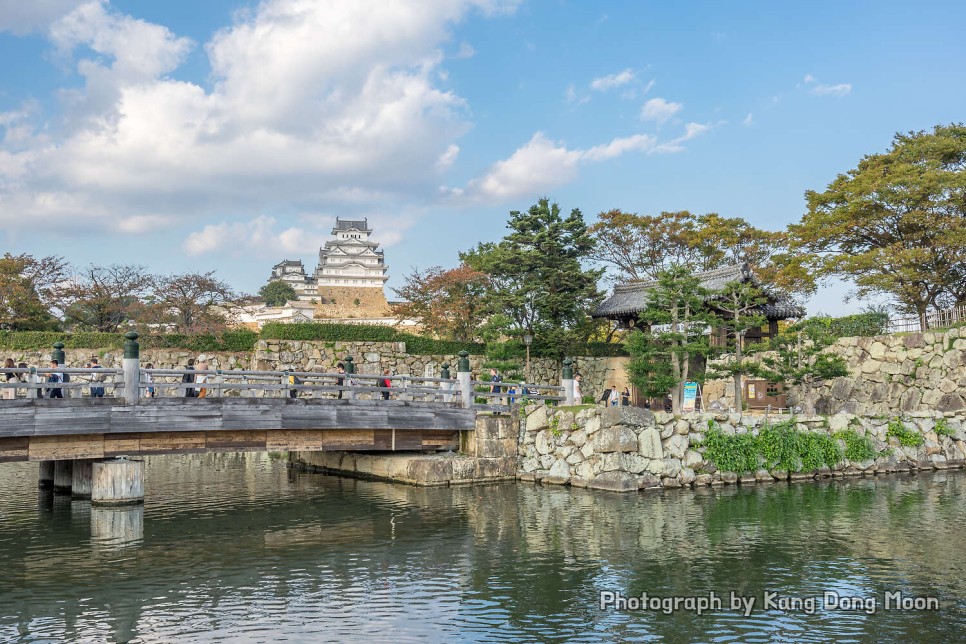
[
  {"x": 351, "y": 224},
  {"x": 630, "y": 298}
]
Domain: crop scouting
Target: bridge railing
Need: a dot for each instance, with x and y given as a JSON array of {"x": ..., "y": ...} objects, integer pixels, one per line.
[
  {"x": 307, "y": 384},
  {"x": 32, "y": 382},
  {"x": 513, "y": 394}
]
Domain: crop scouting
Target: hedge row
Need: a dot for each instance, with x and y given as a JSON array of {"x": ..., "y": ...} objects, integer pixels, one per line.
[
  {"x": 850, "y": 326},
  {"x": 239, "y": 341},
  {"x": 245, "y": 340}
]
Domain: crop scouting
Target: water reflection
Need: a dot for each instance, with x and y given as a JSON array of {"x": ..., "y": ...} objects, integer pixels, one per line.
[{"x": 232, "y": 546}]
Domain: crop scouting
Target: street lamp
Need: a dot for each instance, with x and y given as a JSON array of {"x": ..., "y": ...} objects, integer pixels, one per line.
[{"x": 527, "y": 339}]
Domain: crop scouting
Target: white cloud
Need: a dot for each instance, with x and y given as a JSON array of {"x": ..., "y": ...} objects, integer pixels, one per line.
[
  {"x": 659, "y": 110},
  {"x": 466, "y": 50},
  {"x": 24, "y": 16},
  {"x": 841, "y": 89},
  {"x": 749, "y": 120},
  {"x": 541, "y": 164},
  {"x": 309, "y": 103},
  {"x": 612, "y": 80},
  {"x": 819, "y": 89}
]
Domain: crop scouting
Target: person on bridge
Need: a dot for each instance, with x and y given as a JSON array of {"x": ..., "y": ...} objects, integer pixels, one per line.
[
  {"x": 97, "y": 391},
  {"x": 190, "y": 392},
  {"x": 340, "y": 380},
  {"x": 385, "y": 382},
  {"x": 55, "y": 377},
  {"x": 202, "y": 378}
]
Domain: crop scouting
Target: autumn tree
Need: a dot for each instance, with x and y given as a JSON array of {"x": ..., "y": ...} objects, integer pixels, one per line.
[
  {"x": 26, "y": 291},
  {"x": 102, "y": 298},
  {"x": 277, "y": 293},
  {"x": 446, "y": 303},
  {"x": 896, "y": 224},
  {"x": 536, "y": 280},
  {"x": 678, "y": 315},
  {"x": 194, "y": 302}
]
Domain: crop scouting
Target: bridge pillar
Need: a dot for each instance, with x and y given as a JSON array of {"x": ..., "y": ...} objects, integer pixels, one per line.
[
  {"x": 117, "y": 481},
  {"x": 350, "y": 369},
  {"x": 567, "y": 380},
  {"x": 63, "y": 476},
  {"x": 464, "y": 377},
  {"x": 132, "y": 368},
  {"x": 45, "y": 478},
  {"x": 447, "y": 387},
  {"x": 82, "y": 478}
]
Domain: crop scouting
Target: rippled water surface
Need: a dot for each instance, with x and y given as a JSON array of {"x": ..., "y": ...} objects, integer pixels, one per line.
[{"x": 237, "y": 547}]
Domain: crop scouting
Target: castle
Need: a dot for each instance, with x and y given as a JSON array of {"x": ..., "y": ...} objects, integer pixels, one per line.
[{"x": 349, "y": 278}]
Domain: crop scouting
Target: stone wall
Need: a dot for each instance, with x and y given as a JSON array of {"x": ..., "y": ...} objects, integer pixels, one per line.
[
  {"x": 626, "y": 448},
  {"x": 352, "y": 302},
  {"x": 900, "y": 373}
]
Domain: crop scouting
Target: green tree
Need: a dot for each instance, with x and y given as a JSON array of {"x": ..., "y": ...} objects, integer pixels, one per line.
[
  {"x": 896, "y": 224},
  {"x": 678, "y": 313},
  {"x": 26, "y": 291},
  {"x": 739, "y": 304},
  {"x": 277, "y": 293},
  {"x": 798, "y": 358},
  {"x": 536, "y": 280}
]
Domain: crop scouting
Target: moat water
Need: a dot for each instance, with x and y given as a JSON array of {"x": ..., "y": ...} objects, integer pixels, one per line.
[{"x": 239, "y": 548}]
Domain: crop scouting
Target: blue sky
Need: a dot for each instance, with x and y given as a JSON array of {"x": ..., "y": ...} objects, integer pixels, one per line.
[{"x": 228, "y": 135}]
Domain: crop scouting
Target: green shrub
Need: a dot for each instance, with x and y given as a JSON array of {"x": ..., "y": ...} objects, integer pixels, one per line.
[
  {"x": 857, "y": 448},
  {"x": 943, "y": 428},
  {"x": 780, "y": 446},
  {"x": 738, "y": 453},
  {"x": 860, "y": 324},
  {"x": 237, "y": 341},
  {"x": 905, "y": 436}
]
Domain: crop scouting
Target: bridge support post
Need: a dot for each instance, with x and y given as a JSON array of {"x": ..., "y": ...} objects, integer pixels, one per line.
[
  {"x": 464, "y": 377},
  {"x": 45, "y": 479},
  {"x": 82, "y": 478},
  {"x": 132, "y": 368},
  {"x": 117, "y": 481},
  {"x": 63, "y": 476},
  {"x": 567, "y": 380},
  {"x": 447, "y": 387}
]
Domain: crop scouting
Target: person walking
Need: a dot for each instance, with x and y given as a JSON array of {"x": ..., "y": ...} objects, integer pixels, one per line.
[
  {"x": 614, "y": 397},
  {"x": 11, "y": 379},
  {"x": 578, "y": 392},
  {"x": 55, "y": 377},
  {"x": 340, "y": 379},
  {"x": 495, "y": 379},
  {"x": 97, "y": 391},
  {"x": 625, "y": 397},
  {"x": 148, "y": 380},
  {"x": 385, "y": 382},
  {"x": 202, "y": 379},
  {"x": 189, "y": 392}
]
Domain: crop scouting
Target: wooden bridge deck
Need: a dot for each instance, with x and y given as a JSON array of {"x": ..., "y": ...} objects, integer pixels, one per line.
[{"x": 41, "y": 429}]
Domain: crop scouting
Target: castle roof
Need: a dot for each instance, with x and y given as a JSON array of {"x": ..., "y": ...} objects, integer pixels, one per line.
[{"x": 361, "y": 225}]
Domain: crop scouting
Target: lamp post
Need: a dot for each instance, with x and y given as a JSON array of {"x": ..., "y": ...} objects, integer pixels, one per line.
[{"x": 527, "y": 339}]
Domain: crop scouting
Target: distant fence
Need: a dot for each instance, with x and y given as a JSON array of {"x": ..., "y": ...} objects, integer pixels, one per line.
[{"x": 933, "y": 320}]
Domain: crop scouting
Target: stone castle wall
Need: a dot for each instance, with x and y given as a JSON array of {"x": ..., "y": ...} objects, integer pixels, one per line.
[
  {"x": 627, "y": 449},
  {"x": 341, "y": 302},
  {"x": 896, "y": 374}
]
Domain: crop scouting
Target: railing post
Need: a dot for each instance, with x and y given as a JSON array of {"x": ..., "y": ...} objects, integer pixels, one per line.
[
  {"x": 34, "y": 378},
  {"x": 447, "y": 386},
  {"x": 567, "y": 380},
  {"x": 350, "y": 369},
  {"x": 219, "y": 379},
  {"x": 464, "y": 377},
  {"x": 283, "y": 393},
  {"x": 132, "y": 368}
]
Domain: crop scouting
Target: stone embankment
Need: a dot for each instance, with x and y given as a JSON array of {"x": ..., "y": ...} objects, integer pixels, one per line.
[{"x": 627, "y": 449}]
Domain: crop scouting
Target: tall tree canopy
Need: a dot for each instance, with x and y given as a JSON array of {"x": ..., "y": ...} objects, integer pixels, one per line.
[
  {"x": 447, "y": 303},
  {"x": 102, "y": 298},
  {"x": 642, "y": 246},
  {"x": 193, "y": 302},
  {"x": 537, "y": 282},
  {"x": 896, "y": 224}
]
